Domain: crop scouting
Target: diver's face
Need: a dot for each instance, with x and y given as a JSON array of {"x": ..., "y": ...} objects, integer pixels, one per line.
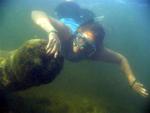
[
  {"x": 79, "y": 43},
  {"x": 78, "y": 46}
]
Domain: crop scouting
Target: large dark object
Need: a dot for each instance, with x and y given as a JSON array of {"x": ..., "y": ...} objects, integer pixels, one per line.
[{"x": 28, "y": 66}]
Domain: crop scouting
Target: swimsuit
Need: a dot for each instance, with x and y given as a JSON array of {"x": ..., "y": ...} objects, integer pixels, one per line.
[{"x": 71, "y": 23}]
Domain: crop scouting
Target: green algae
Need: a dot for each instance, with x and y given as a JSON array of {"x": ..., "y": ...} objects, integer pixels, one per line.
[{"x": 29, "y": 66}]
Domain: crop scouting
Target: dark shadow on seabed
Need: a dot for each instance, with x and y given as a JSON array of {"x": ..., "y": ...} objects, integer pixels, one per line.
[
  {"x": 147, "y": 106},
  {"x": 11, "y": 103},
  {"x": 52, "y": 104}
]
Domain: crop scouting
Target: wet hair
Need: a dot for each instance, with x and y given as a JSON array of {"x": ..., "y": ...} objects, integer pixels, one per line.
[
  {"x": 70, "y": 9},
  {"x": 86, "y": 16},
  {"x": 97, "y": 30}
]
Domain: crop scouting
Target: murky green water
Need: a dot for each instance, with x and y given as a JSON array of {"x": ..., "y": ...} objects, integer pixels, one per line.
[{"x": 85, "y": 87}]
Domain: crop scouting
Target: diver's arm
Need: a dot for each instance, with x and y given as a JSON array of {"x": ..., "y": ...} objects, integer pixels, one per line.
[
  {"x": 42, "y": 20},
  {"x": 110, "y": 56}
]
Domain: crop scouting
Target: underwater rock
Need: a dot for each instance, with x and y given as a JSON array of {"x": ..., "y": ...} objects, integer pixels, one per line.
[{"x": 29, "y": 66}]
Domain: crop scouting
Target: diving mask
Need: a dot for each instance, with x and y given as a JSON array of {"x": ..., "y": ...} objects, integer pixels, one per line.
[{"x": 81, "y": 41}]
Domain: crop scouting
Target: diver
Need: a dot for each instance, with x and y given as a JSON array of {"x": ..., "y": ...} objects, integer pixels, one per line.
[{"x": 77, "y": 36}]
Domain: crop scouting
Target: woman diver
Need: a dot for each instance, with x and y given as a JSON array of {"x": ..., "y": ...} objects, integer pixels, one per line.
[{"x": 77, "y": 36}]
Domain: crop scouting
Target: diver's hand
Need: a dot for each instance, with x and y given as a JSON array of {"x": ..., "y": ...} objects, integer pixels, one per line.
[
  {"x": 139, "y": 88},
  {"x": 54, "y": 46}
]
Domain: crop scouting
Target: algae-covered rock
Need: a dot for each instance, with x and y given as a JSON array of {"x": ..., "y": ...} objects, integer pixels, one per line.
[{"x": 29, "y": 66}]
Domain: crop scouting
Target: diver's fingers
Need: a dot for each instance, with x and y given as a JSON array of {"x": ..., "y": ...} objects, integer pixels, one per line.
[
  {"x": 56, "y": 54},
  {"x": 51, "y": 46},
  {"x": 141, "y": 85},
  {"x": 141, "y": 90},
  {"x": 51, "y": 40},
  {"x": 47, "y": 46},
  {"x": 137, "y": 85},
  {"x": 144, "y": 91},
  {"x": 144, "y": 94},
  {"x": 147, "y": 93},
  {"x": 48, "y": 50},
  {"x": 54, "y": 49},
  {"x": 51, "y": 49}
]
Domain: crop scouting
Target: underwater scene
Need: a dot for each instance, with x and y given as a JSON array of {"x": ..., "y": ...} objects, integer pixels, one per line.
[{"x": 32, "y": 81}]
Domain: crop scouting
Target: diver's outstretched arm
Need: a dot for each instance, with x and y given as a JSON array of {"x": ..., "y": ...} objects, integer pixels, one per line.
[
  {"x": 42, "y": 20},
  {"x": 110, "y": 56}
]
